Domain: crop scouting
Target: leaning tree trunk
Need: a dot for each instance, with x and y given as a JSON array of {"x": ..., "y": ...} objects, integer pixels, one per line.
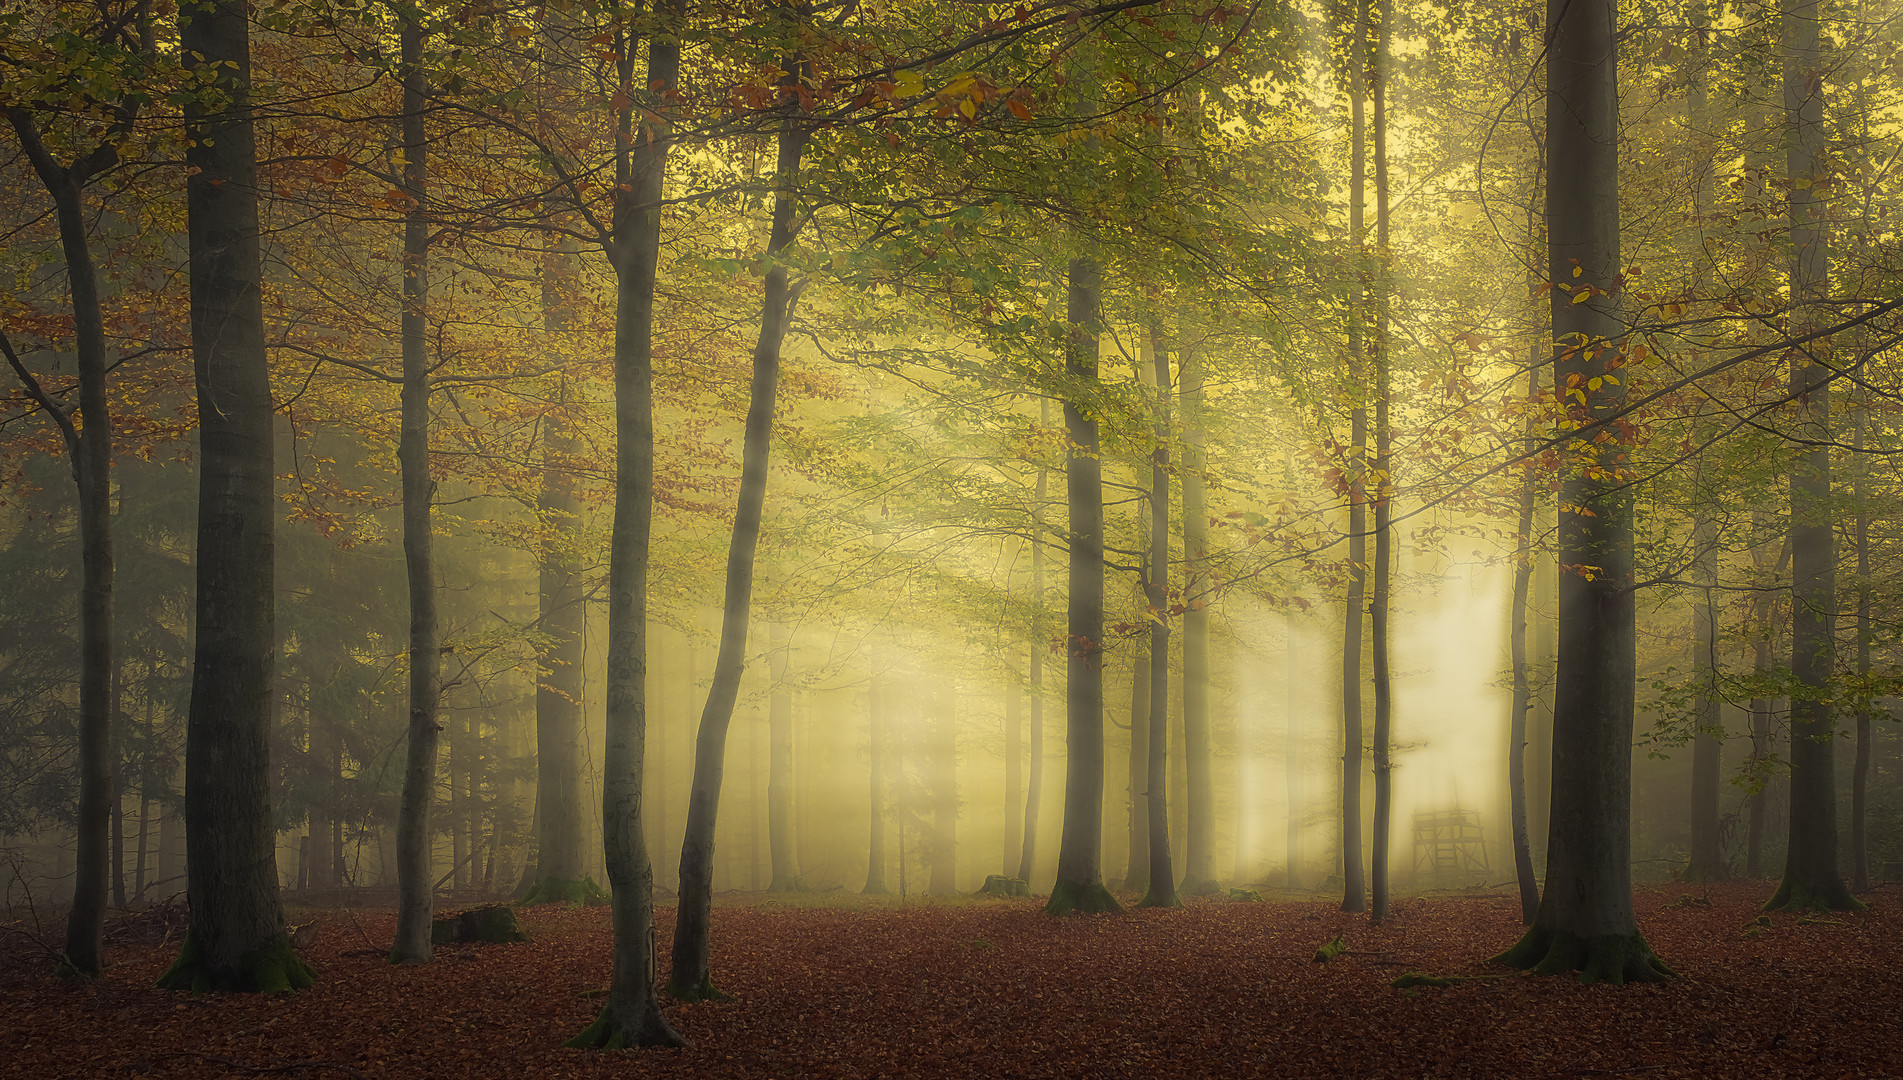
[
  {"x": 415, "y": 874},
  {"x": 1156, "y": 589},
  {"x": 235, "y": 939},
  {"x": 1079, "y": 886},
  {"x": 89, "y": 446},
  {"x": 779, "y": 782},
  {"x": 1354, "y": 889},
  {"x": 1378, "y": 607},
  {"x": 632, "y": 1015},
  {"x": 1812, "y": 878},
  {"x": 691, "y": 979},
  {"x": 1585, "y": 922}
]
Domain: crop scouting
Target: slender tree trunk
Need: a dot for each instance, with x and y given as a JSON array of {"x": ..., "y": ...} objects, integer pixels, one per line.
[
  {"x": 1384, "y": 483},
  {"x": 1292, "y": 763},
  {"x": 1522, "y": 680},
  {"x": 1013, "y": 774},
  {"x": 89, "y": 448},
  {"x": 779, "y": 785},
  {"x": 944, "y": 772},
  {"x": 236, "y": 938},
  {"x": 145, "y": 799},
  {"x": 1034, "y": 783},
  {"x": 1762, "y": 632},
  {"x": 1156, "y": 589},
  {"x": 1354, "y": 889},
  {"x": 1079, "y": 886},
  {"x": 415, "y": 875},
  {"x": 691, "y": 979},
  {"x": 632, "y": 1016},
  {"x": 876, "y": 740},
  {"x": 1585, "y": 922},
  {"x": 1812, "y": 878},
  {"x": 1137, "y": 877},
  {"x": 1860, "y": 775},
  {"x": 1199, "y": 854}
]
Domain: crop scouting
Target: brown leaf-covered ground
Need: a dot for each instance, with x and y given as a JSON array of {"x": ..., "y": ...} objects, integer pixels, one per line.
[{"x": 994, "y": 988}]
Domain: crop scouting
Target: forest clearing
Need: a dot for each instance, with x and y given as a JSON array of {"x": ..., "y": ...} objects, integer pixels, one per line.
[{"x": 857, "y": 988}]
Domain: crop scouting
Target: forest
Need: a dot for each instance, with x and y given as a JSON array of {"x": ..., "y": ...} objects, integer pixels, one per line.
[{"x": 865, "y": 538}]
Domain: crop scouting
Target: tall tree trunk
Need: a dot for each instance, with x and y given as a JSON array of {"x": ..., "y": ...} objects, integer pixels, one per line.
[
  {"x": 1378, "y": 609},
  {"x": 632, "y": 1015},
  {"x": 89, "y": 448},
  {"x": 236, "y": 938},
  {"x": 1860, "y": 774},
  {"x": 779, "y": 785},
  {"x": 1522, "y": 676},
  {"x": 1199, "y": 853},
  {"x": 1013, "y": 774},
  {"x": 1354, "y": 889},
  {"x": 145, "y": 798},
  {"x": 1762, "y": 632},
  {"x": 1137, "y": 877},
  {"x": 944, "y": 780},
  {"x": 1812, "y": 878},
  {"x": 1585, "y": 921},
  {"x": 1034, "y": 783},
  {"x": 414, "y": 873},
  {"x": 1079, "y": 886},
  {"x": 560, "y": 872},
  {"x": 876, "y": 745},
  {"x": 1292, "y": 764},
  {"x": 691, "y": 979},
  {"x": 1156, "y": 589}
]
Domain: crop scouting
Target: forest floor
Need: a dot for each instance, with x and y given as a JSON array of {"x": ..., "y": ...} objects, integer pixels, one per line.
[{"x": 829, "y": 986}]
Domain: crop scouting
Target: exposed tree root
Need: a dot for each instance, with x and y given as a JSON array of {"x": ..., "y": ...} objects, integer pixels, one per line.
[
  {"x": 270, "y": 968},
  {"x": 575, "y": 892},
  {"x": 1070, "y": 898},
  {"x": 1615, "y": 958},
  {"x": 1830, "y": 894},
  {"x": 705, "y": 990},
  {"x": 611, "y": 1032}
]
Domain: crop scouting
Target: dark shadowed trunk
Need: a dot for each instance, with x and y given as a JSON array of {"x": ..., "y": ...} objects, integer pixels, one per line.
[
  {"x": 1812, "y": 878},
  {"x": 89, "y": 448},
  {"x": 236, "y": 938},
  {"x": 632, "y": 1015},
  {"x": 1079, "y": 886},
  {"x": 691, "y": 978},
  {"x": 1156, "y": 589},
  {"x": 1585, "y": 921},
  {"x": 414, "y": 874},
  {"x": 1354, "y": 888}
]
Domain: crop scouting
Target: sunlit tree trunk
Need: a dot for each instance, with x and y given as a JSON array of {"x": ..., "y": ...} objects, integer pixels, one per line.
[
  {"x": 1812, "y": 878},
  {"x": 1354, "y": 889},
  {"x": 1199, "y": 853},
  {"x": 1378, "y": 608},
  {"x": 1585, "y": 922},
  {"x": 1079, "y": 885},
  {"x": 1156, "y": 589},
  {"x": 1137, "y": 877},
  {"x": 415, "y": 876},
  {"x": 1034, "y": 783},
  {"x": 236, "y": 938},
  {"x": 691, "y": 979},
  {"x": 1013, "y": 775},
  {"x": 1522, "y": 677}
]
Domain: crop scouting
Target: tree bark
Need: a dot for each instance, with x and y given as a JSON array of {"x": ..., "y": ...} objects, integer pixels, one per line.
[
  {"x": 632, "y": 1015},
  {"x": 89, "y": 448},
  {"x": 1079, "y": 886},
  {"x": 1034, "y": 783},
  {"x": 1156, "y": 589},
  {"x": 1384, "y": 484},
  {"x": 1013, "y": 774},
  {"x": 236, "y": 938},
  {"x": 1199, "y": 854},
  {"x": 1860, "y": 773},
  {"x": 691, "y": 979},
  {"x": 1354, "y": 889},
  {"x": 1585, "y": 922},
  {"x": 1812, "y": 878},
  {"x": 416, "y": 876},
  {"x": 779, "y": 784},
  {"x": 1522, "y": 677},
  {"x": 1137, "y": 877}
]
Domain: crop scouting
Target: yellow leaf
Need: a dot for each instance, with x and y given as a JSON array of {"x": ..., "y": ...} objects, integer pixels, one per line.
[
  {"x": 1582, "y": 297},
  {"x": 1578, "y": 271},
  {"x": 969, "y": 108},
  {"x": 909, "y": 82}
]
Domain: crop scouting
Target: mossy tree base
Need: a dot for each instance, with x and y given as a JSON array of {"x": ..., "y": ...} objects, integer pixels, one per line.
[
  {"x": 1163, "y": 898},
  {"x": 705, "y": 990},
  {"x": 1070, "y": 898},
  {"x": 1615, "y": 958},
  {"x": 494, "y": 925},
  {"x": 575, "y": 892},
  {"x": 67, "y": 970},
  {"x": 610, "y": 1033},
  {"x": 1828, "y": 895},
  {"x": 270, "y": 968}
]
